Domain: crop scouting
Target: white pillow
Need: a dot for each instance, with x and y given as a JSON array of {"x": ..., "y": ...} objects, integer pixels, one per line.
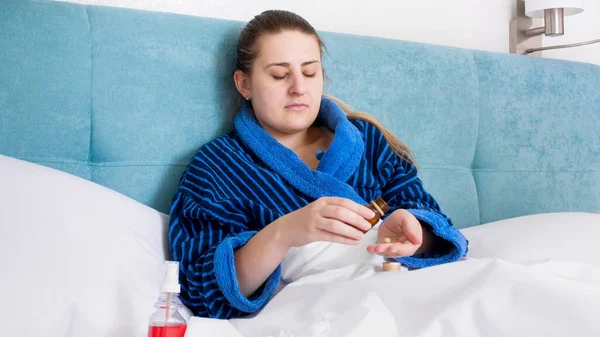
[
  {"x": 77, "y": 259},
  {"x": 562, "y": 236}
]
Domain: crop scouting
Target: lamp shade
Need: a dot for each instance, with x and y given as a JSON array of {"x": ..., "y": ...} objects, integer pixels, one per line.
[{"x": 535, "y": 8}]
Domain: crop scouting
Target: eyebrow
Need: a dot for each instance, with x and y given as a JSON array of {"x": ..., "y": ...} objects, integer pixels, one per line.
[{"x": 287, "y": 65}]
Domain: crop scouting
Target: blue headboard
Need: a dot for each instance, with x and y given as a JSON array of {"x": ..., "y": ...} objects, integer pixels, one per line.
[{"x": 125, "y": 97}]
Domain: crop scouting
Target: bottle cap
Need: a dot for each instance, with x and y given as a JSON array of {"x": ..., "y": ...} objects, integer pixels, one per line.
[
  {"x": 170, "y": 281},
  {"x": 382, "y": 205},
  {"x": 391, "y": 266}
]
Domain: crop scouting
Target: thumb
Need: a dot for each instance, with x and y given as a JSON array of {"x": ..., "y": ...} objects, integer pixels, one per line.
[{"x": 413, "y": 230}]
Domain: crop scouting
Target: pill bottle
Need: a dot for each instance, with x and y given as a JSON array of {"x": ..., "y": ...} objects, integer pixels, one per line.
[{"x": 380, "y": 207}]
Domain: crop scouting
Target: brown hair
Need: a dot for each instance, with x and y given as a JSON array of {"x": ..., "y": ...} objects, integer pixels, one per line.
[
  {"x": 395, "y": 143},
  {"x": 277, "y": 21},
  {"x": 269, "y": 22}
]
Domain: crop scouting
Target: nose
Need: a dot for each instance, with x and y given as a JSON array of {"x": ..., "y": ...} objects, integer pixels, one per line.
[{"x": 298, "y": 85}]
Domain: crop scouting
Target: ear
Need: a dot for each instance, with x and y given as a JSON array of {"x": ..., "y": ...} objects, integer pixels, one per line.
[{"x": 242, "y": 83}]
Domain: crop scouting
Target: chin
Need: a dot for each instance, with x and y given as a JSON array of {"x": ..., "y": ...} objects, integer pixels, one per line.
[
  {"x": 291, "y": 129},
  {"x": 301, "y": 125}
]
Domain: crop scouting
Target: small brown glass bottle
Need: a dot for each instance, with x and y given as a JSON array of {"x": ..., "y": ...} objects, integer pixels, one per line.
[{"x": 380, "y": 207}]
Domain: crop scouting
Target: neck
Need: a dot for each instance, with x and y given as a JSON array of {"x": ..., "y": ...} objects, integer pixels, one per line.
[{"x": 298, "y": 140}]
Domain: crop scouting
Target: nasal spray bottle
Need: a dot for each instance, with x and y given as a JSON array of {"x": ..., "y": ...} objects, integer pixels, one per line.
[{"x": 166, "y": 321}]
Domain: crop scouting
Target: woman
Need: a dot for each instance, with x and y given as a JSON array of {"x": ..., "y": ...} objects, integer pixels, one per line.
[{"x": 295, "y": 170}]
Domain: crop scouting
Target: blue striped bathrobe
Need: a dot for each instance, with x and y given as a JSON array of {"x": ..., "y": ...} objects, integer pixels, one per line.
[{"x": 240, "y": 182}]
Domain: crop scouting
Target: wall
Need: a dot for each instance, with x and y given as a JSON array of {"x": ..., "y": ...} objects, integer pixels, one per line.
[
  {"x": 472, "y": 24},
  {"x": 581, "y": 27},
  {"x": 475, "y": 24}
]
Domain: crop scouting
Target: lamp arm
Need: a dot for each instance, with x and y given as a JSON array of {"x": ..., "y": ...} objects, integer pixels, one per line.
[
  {"x": 533, "y": 50},
  {"x": 534, "y": 31}
]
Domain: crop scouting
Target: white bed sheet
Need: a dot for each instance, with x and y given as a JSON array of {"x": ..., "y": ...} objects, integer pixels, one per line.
[{"x": 516, "y": 283}]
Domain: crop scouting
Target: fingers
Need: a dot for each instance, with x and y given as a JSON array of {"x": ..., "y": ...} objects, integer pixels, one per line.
[
  {"x": 359, "y": 209},
  {"x": 331, "y": 237},
  {"x": 347, "y": 216},
  {"x": 392, "y": 249},
  {"x": 339, "y": 228},
  {"x": 341, "y": 220},
  {"x": 411, "y": 227},
  {"x": 414, "y": 232}
]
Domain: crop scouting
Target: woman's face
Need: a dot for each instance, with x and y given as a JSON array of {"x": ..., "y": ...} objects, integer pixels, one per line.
[{"x": 286, "y": 83}]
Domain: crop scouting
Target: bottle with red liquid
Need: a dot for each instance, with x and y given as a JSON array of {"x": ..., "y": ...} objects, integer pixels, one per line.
[{"x": 166, "y": 321}]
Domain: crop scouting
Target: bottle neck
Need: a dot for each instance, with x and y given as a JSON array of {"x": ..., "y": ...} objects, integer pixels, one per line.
[
  {"x": 167, "y": 312},
  {"x": 170, "y": 300}
]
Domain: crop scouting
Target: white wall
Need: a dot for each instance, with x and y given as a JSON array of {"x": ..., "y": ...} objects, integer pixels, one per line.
[
  {"x": 578, "y": 28},
  {"x": 475, "y": 24}
]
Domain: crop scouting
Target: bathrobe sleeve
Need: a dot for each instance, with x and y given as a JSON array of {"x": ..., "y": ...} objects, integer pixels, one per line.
[
  {"x": 204, "y": 232},
  {"x": 403, "y": 189}
]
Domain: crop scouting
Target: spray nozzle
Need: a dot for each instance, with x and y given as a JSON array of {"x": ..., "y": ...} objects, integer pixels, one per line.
[{"x": 170, "y": 281}]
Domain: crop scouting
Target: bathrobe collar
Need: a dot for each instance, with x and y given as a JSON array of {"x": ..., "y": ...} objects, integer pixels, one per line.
[{"x": 337, "y": 165}]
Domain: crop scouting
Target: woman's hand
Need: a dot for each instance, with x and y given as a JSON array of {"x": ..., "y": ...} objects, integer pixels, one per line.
[
  {"x": 326, "y": 219},
  {"x": 404, "y": 233}
]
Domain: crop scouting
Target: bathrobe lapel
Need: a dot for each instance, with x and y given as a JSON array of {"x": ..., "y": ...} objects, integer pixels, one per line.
[{"x": 336, "y": 166}]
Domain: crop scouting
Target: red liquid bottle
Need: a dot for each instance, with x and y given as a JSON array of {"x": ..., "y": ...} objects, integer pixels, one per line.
[{"x": 166, "y": 321}]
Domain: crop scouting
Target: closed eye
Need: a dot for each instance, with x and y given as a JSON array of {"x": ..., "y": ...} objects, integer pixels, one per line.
[{"x": 284, "y": 76}]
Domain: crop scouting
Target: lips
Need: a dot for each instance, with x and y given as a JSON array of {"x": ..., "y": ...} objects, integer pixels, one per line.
[{"x": 296, "y": 106}]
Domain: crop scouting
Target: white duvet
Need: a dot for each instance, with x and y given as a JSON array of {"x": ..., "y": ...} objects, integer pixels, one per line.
[
  {"x": 552, "y": 288},
  {"x": 529, "y": 276}
]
